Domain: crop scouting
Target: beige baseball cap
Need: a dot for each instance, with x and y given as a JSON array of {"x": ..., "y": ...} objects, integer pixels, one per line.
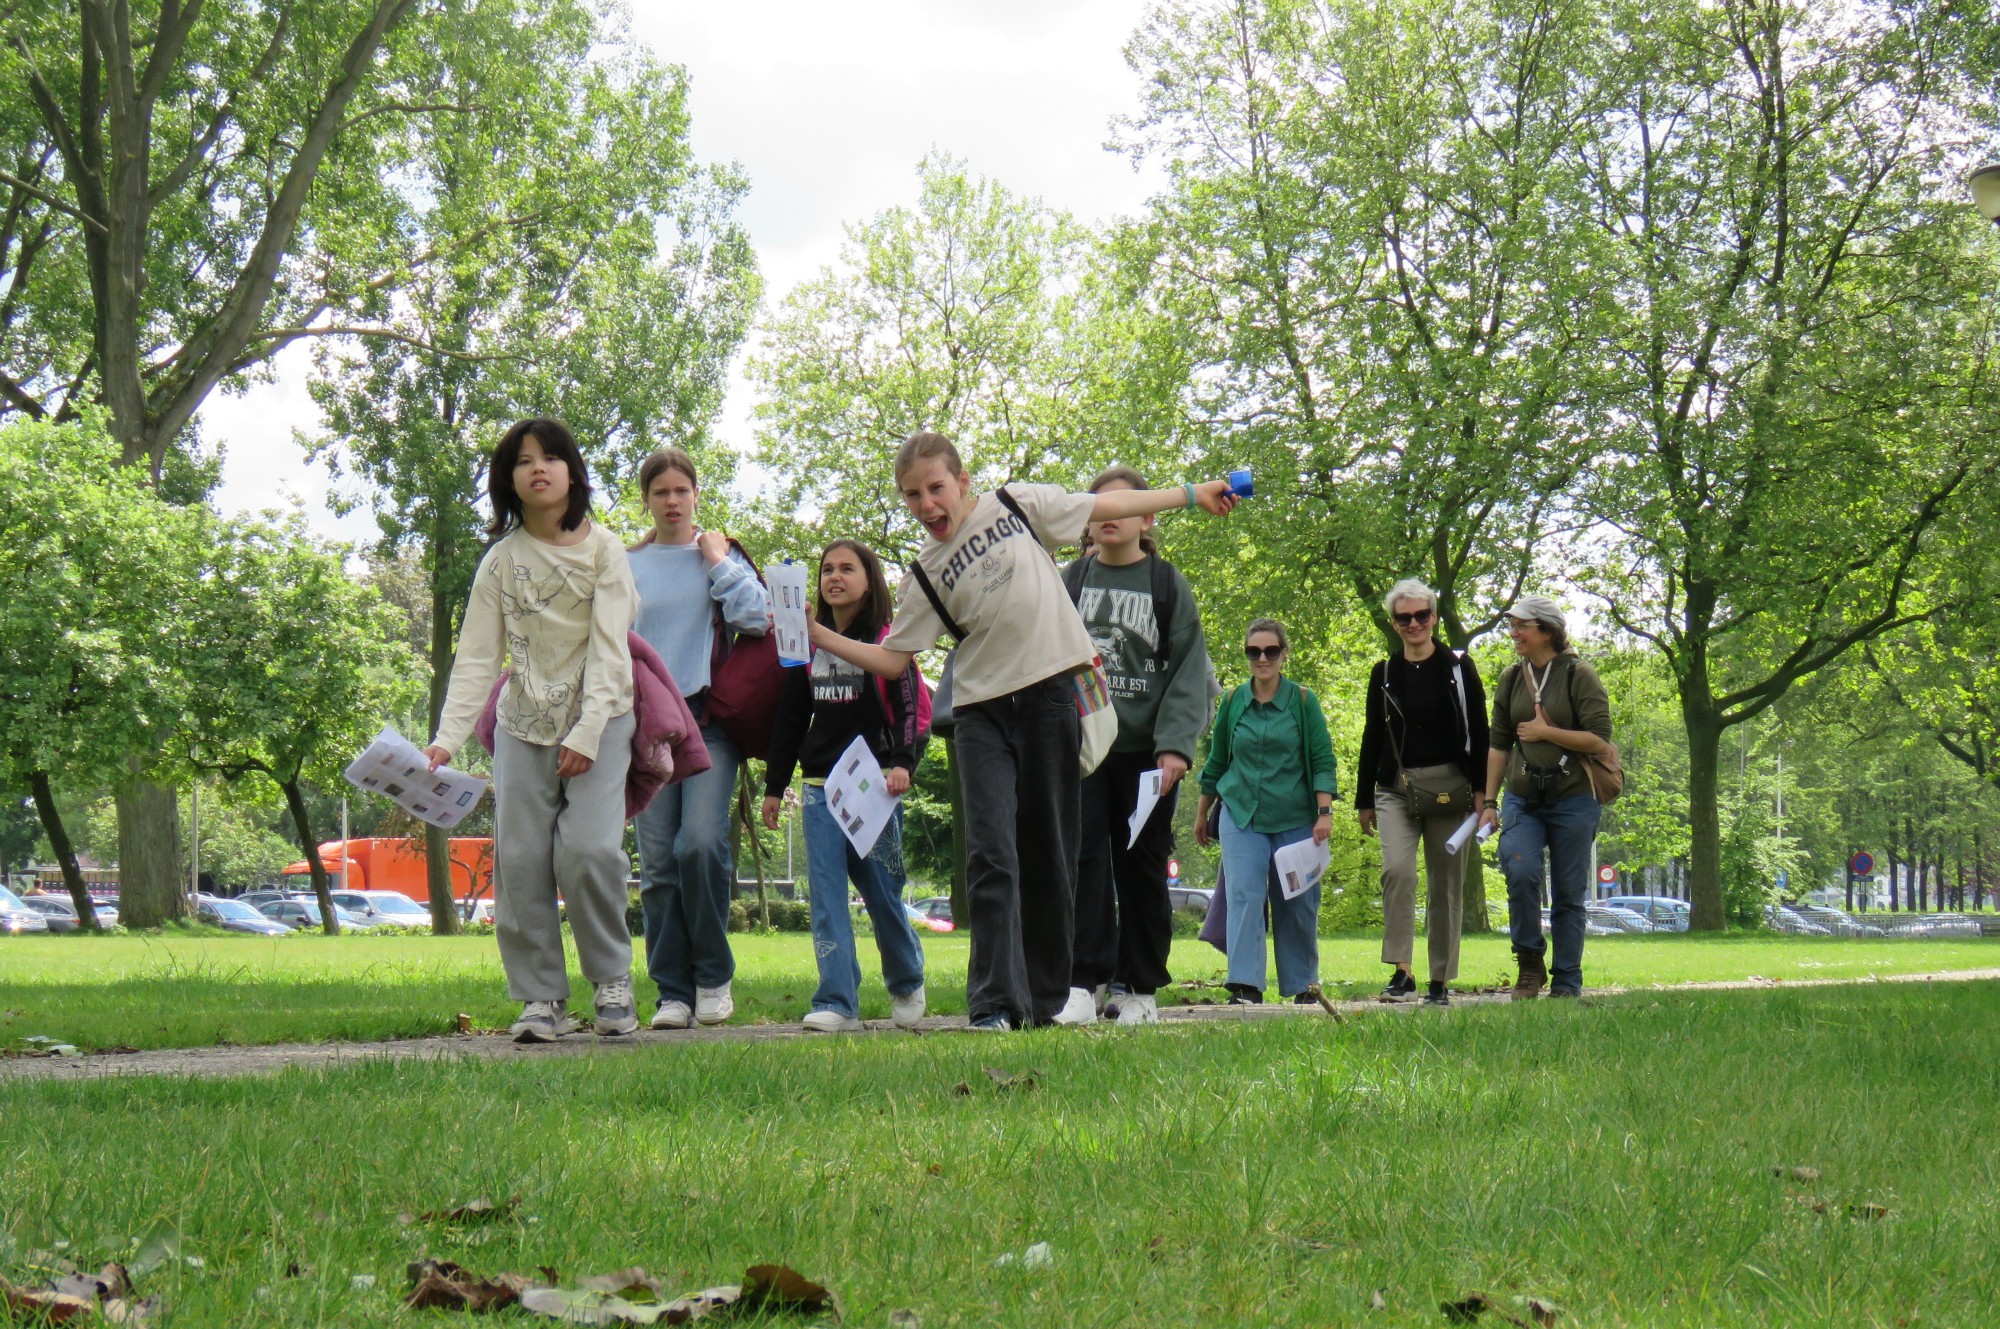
[{"x": 1538, "y": 609}]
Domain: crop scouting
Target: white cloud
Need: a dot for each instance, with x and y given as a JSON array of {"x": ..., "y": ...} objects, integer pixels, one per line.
[{"x": 827, "y": 107}]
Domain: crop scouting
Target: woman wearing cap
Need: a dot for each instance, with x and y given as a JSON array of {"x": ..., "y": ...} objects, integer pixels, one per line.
[
  {"x": 1424, "y": 740},
  {"x": 1270, "y": 764},
  {"x": 1548, "y": 708}
]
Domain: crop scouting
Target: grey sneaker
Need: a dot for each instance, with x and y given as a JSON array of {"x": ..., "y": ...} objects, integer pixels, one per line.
[
  {"x": 1138, "y": 1008},
  {"x": 541, "y": 1022},
  {"x": 831, "y": 1022},
  {"x": 907, "y": 1009},
  {"x": 673, "y": 1015},
  {"x": 617, "y": 1013},
  {"x": 713, "y": 1005}
]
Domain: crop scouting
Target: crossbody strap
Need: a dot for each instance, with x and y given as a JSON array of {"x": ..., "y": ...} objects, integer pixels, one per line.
[{"x": 930, "y": 593}]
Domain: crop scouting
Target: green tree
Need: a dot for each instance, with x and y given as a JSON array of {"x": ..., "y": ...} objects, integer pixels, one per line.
[
  {"x": 97, "y": 562},
  {"x": 1797, "y": 312},
  {"x": 595, "y": 274},
  {"x": 292, "y": 667}
]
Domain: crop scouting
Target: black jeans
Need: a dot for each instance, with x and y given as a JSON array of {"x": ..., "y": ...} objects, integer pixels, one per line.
[
  {"x": 1124, "y": 923},
  {"x": 1017, "y": 770}
]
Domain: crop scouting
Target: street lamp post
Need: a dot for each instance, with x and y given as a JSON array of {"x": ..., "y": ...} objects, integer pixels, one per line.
[{"x": 1985, "y": 186}]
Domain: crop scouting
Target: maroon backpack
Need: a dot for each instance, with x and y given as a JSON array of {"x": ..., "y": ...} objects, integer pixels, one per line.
[{"x": 745, "y": 681}]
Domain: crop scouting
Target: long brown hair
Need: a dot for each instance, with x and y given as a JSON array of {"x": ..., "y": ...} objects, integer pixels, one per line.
[
  {"x": 877, "y": 606},
  {"x": 1122, "y": 474}
]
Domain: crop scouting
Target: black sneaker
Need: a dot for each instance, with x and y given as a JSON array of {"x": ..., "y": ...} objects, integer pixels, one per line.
[
  {"x": 992, "y": 1022},
  {"x": 1305, "y": 999},
  {"x": 1437, "y": 995},
  {"x": 1242, "y": 994},
  {"x": 1401, "y": 984}
]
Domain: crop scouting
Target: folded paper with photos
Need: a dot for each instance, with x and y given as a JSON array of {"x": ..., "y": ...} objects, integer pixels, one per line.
[
  {"x": 1300, "y": 866},
  {"x": 397, "y": 768},
  {"x": 858, "y": 797}
]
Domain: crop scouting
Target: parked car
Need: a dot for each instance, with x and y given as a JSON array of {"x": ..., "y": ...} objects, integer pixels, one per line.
[
  {"x": 62, "y": 915},
  {"x": 383, "y": 908},
  {"x": 924, "y": 922},
  {"x": 264, "y": 895},
  {"x": 16, "y": 917},
  {"x": 305, "y": 914},
  {"x": 936, "y": 906},
  {"x": 1189, "y": 897},
  {"x": 1623, "y": 920},
  {"x": 1665, "y": 913},
  {"x": 476, "y": 911},
  {"x": 235, "y": 916},
  {"x": 1835, "y": 921},
  {"x": 1780, "y": 919}
]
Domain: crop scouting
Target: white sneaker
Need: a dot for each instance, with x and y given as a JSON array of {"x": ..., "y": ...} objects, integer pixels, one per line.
[
  {"x": 831, "y": 1022},
  {"x": 541, "y": 1022},
  {"x": 1138, "y": 1008},
  {"x": 1078, "y": 1010},
  {"x": 907, "y": 1009},
  {"x": 673, "y": 1015},
  {"x": 616, "y": 1012},
  {"x": 713, "y": 1005}
]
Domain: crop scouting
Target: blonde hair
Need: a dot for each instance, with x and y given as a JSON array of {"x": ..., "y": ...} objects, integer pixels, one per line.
[{"x": 922, "y": 447}]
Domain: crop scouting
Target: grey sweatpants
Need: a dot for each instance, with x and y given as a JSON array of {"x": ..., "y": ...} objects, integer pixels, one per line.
[
  {"x": 1444, "y": 874},
  {"x": 560, "y": 838}
]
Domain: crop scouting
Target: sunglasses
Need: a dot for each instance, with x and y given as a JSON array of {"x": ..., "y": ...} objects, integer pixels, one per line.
[
  {"x": 1416, "y": 619},
  {"x": 1256, "y": 653}
]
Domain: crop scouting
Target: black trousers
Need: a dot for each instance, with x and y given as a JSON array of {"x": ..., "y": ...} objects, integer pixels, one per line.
[
  {"x": 1124, "y": 923},
  {"x": 1017, "y": 769}
]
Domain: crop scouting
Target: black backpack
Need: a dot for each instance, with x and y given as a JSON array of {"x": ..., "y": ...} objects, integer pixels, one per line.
[{"x": 1166, "y": 594}]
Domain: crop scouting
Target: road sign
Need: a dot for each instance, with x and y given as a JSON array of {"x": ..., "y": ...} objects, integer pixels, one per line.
[
  {"x": 1174, "y": 869},
  {"x": 1784, "y": 879},
  {"x": 1608, "y": 874},
  {"x": 1862, "y": 864}
]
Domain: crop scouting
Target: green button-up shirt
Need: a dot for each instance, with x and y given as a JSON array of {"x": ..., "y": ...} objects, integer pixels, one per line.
[{"x": 1264, "y": 777}]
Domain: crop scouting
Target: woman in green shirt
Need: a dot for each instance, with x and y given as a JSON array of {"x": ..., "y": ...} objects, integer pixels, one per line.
[{"x": 1270, "y": 762}]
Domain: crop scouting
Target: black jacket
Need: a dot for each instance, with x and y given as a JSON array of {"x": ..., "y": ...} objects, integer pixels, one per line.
[
  {"x": 1377, "y": 766},
  {"x": 811, "y": 731}
]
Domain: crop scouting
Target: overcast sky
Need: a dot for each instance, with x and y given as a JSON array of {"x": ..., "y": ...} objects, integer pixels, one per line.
[{"x": 827, "y": 105}]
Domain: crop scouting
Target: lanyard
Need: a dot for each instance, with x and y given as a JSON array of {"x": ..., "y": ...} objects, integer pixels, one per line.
[{"x": 1547, "y": 670}]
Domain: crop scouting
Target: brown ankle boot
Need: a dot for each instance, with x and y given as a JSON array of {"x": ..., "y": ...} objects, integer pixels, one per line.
[{"x": 1534, "y": 977}]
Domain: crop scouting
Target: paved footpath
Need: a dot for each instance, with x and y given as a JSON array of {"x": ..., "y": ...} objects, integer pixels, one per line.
[{"x": 205, "y": 1062}]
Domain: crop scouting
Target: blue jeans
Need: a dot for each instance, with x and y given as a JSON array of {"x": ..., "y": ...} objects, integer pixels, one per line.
[
  {"x": 689, "y": 875},
  {"x": 830, "y": 862},
  {"x": 1249, "y": 880},
  {"x": 1566, "y": 829}
]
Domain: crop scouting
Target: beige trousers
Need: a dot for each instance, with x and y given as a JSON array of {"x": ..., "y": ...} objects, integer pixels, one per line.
[{"x": 1444, "y": 872}]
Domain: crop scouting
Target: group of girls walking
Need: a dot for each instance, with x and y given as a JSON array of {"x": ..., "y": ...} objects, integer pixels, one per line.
[{"x": 1068, "y": 908}]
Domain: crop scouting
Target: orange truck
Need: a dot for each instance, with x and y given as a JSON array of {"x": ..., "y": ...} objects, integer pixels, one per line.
[{"x": 399, "y": 865}]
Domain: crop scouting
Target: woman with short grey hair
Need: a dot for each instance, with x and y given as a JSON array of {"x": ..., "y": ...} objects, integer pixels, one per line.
[{"x": 1423, "y": 753}]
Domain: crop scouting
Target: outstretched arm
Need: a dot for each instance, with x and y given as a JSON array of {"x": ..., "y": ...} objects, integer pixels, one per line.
[
  {"x": 878, "y": 660},
  {"x": 1210, "y": 495}
]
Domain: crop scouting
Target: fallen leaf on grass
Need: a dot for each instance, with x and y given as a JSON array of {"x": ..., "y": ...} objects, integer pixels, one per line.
[
  {"x": 464, "y": 1023},
  {"x": 601, "y": 1308},
  {"x": 623, "y": 1283},
  {"x": 1378, "y": 1300},
  {"x": 935, "y": 1169},
  {"x": 442, "y": 1285},
  {"x": 481, "y": 1210},
  {"x": 81, "y": 1299},
  {"x": 1469, "y": 1308},
  {"x": 962, "y": 1089},
  {"x": 782, "y": 1288},
  {"x": 1805, "y": 1174},
  {"x": 1868, "y": 1209},
  {"x": 904, "y": 1319},
  {"x": 161, "y": 1243},
  {"x": 1025, "y": 1080}
]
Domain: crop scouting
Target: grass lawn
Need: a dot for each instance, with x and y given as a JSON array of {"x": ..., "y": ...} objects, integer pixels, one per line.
[
  {"x": 193, "y": 991},
  {"x": 1613, "y": 1157}
]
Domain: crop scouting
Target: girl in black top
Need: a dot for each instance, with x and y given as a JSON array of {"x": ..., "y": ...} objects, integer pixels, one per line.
[{"x": 825, "y": 707}]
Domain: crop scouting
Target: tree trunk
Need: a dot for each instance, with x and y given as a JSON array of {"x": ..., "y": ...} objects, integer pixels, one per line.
[
  {"x": 1472, "y": 915},
  {"x": 437, "y": 840},
  {"x": 52, "y": 826},
  {"x": 1704, "y": 736},
  {"x": 150, "y": 889},
  {"x": 295, "y": 800},
  {"x": 961, "y": 913}
]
